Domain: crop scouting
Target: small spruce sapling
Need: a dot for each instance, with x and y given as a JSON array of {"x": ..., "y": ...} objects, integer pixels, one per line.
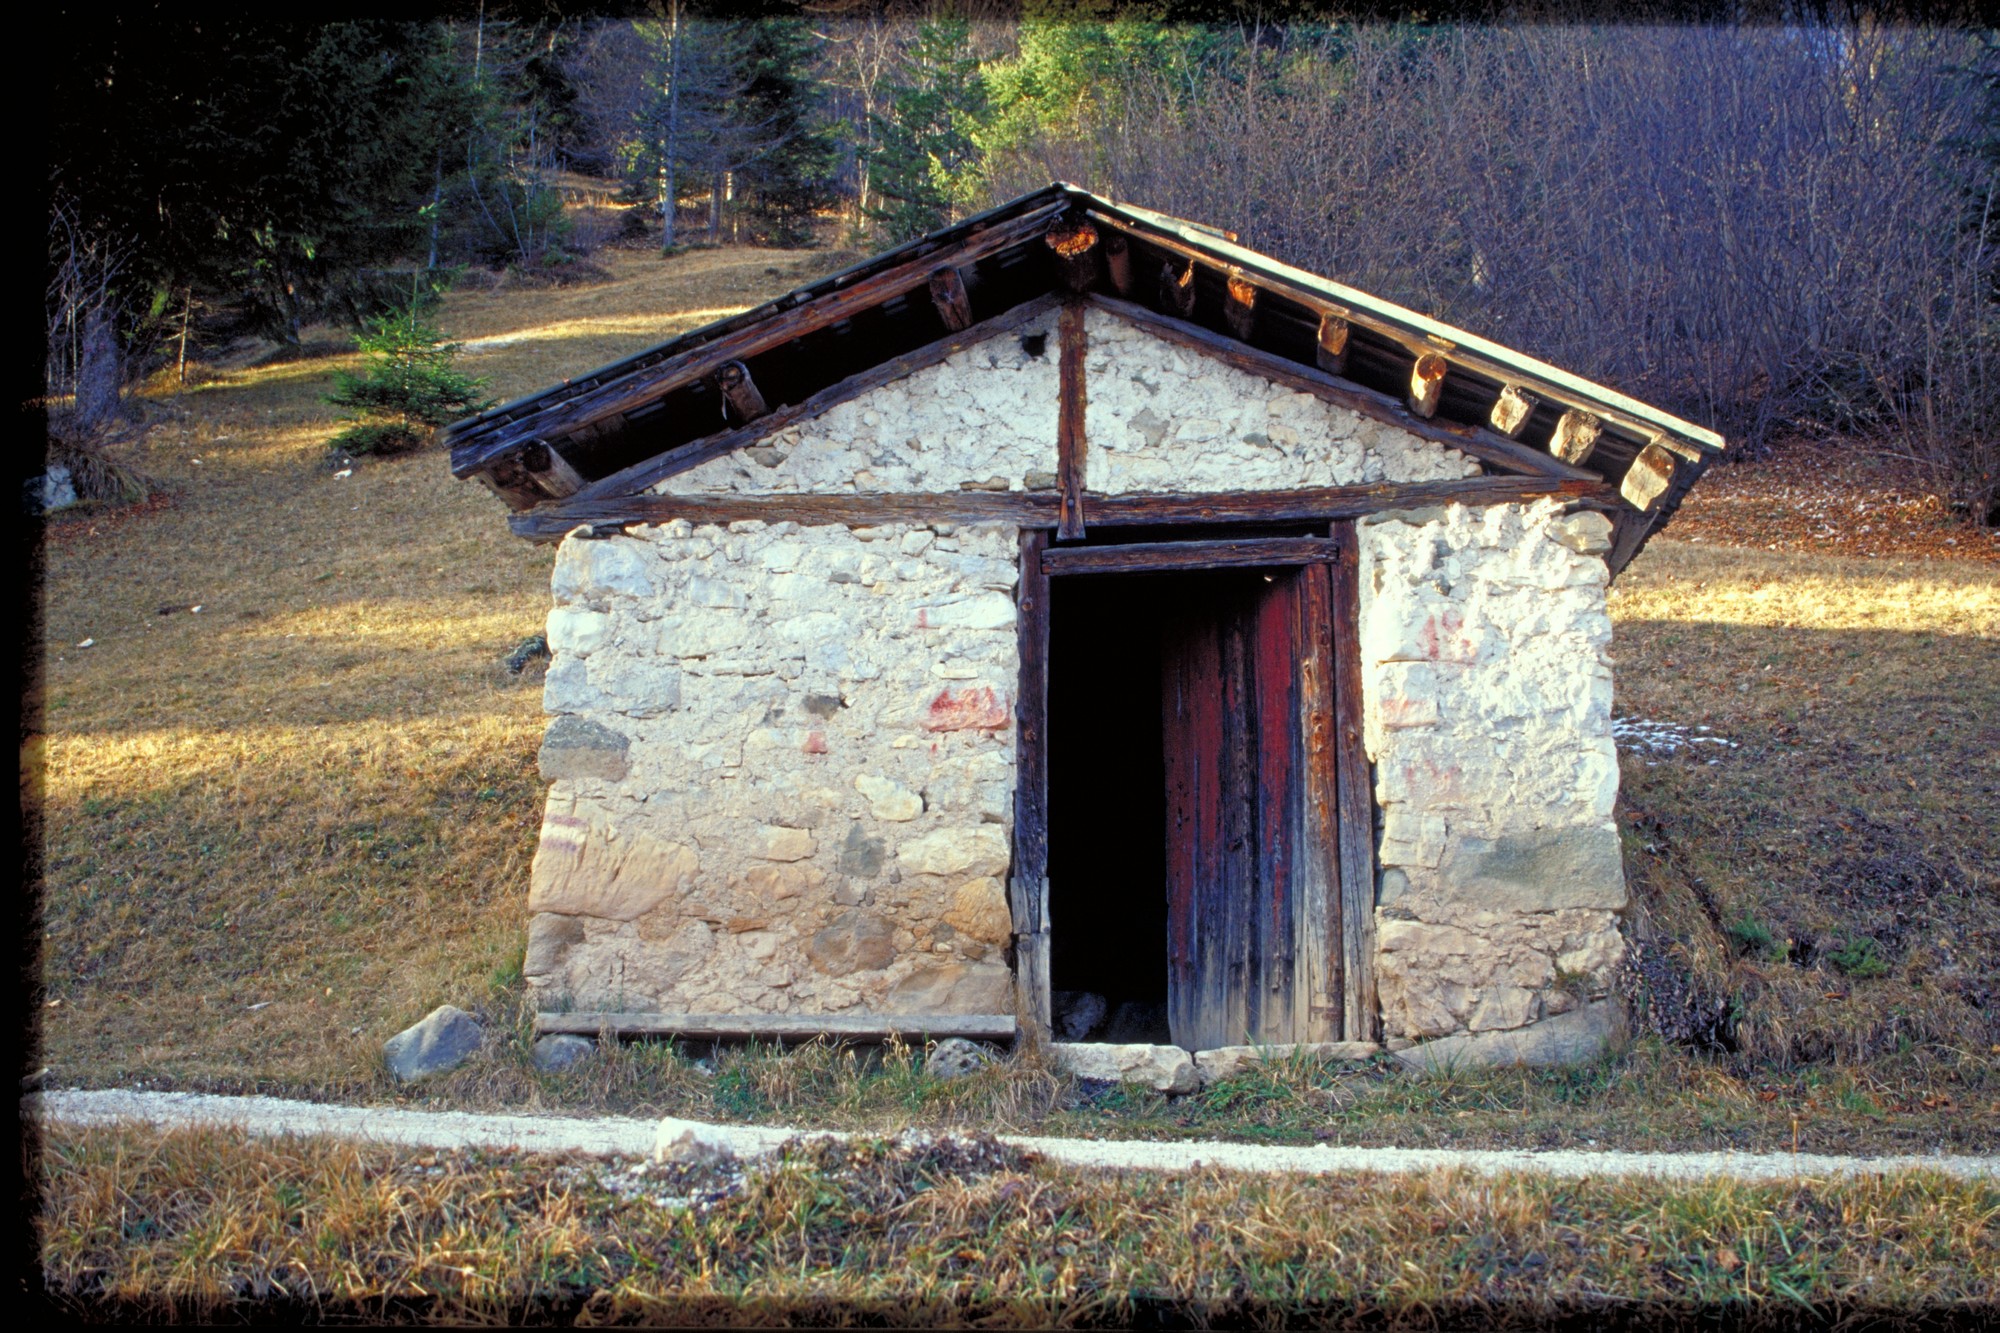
[{"x": 410, "y": 389}]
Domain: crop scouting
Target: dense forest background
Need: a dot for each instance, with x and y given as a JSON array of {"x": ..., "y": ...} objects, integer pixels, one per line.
[{"x": 1782, "y": 229}]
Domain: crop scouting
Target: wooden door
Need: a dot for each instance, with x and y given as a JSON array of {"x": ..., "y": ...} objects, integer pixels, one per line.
[{"x": 1253, "y": 934}]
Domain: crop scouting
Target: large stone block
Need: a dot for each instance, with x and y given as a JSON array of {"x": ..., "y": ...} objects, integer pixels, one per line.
[
  {"x": 590, "y": 568},
  {"x": 952, "y": 987},
  {"x": 887, "y": 799},
  {"x": 1571, "y": 1038},
  {"x": 441, "y": 1041},
  {"x": 981, "y": 850},
  {"x": 979, "y": 909},
  {"x": 578, "y": 630},
  {"x": 1540, "y": 871},
  {"x": 1162, "y": 1068},
  {"x": 1229, "y": 1061},
  {"x": 576, "y": 747},
  {"x": 855, "y": 941},
  {"x": 550, "y": 938},
  {"x": 580, "y": 871}
]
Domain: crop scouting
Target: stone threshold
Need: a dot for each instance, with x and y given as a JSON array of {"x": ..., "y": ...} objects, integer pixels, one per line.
[{"x": 621, "y": 1136}]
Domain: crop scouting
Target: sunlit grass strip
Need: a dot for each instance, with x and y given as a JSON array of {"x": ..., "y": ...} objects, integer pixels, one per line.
[{"x": 205, "y": 1219}]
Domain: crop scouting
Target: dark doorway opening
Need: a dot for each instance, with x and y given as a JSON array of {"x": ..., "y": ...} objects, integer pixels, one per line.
[
  {"x": 1107, "y": 810},
  {"x": 1110, "y": 638}
]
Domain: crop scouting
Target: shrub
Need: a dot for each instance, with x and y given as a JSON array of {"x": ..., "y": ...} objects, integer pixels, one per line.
[
  {"x": 410, "y": 389},
  {"x": 1857, "y": 957},
  {"x": 1753, "y": 938}
]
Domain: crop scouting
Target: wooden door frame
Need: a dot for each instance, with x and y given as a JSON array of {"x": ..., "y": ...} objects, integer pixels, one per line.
[{"x": 1344, "y": 795}]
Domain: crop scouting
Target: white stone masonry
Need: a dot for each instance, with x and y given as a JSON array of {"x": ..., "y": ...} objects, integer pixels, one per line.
[
  {"x": 1487, "y": 694},
  {"x": 784, "y": 767},
  {"x": 985, "y": 416},
  {"x": 1163, "y": 419}
]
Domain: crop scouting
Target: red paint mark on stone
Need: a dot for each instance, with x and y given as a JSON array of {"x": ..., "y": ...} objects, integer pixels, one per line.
[
  {"x": 815, "y": 742},
  {"x": 1441, "y": 641},
  {"x": 1401, "y": 712},
  {"x": 981, "y": 708},
  {"x": 923, "y": 617}
]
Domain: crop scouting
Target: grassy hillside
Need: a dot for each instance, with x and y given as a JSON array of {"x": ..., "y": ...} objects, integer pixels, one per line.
[{"x": 284, "y": 825}]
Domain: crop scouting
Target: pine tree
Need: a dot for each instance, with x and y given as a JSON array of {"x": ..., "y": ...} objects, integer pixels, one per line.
[
  {"x": 411, "y": 386},
  {"x": 926, "y": 157}
]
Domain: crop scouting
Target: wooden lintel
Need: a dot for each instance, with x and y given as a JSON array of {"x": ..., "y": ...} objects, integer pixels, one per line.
[
  {"x": 1118, "y": 263},
  {"x": 1177, "y": 289},
  {"x": 1043, "y": 509},
  {"x": 1427, "y": 384},
  {"x": 1241, "y": 307},
  {"x": 1073, "y": 241},
  {"x": 1331, "y": 352},
  {"x": 1476, "y": 441},
  {"x": 780, "y": 1027},
  {"x": 551, "y": 473},
  {"x": 1511, "y": 411},
  {"x": 1575, "y": 436},
  {"x": 740, "y": 391},
  {"x": 1143, "y": 557},
  {"x": 650, "y": 472},
  {"x": 1648, "y": 477},
  {"x": 1071, "y": 442},
  {"x": 644, "y": 384},
  {"x": 948, "y": 294}
]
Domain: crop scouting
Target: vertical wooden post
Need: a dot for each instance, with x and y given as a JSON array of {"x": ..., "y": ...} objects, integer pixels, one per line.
[
  {"x": 1356, "y": 798},
  {"x": 1177, "y": 290},
  {"x": 1241, "y": 308},
  {"x": 1320, "y": 967},
  {"x": 1071, "y": 443},
  {"x": 949, "y": 296},
  {"x": 1332, "y": 351},
  {"x": 1028, "y": 893},
  {"x": 1575, "y": 436},
  {"x": 1118, "y": 262},
  {"x": 1511, "y": 411},
  {"x": 1427, "y": 384}
]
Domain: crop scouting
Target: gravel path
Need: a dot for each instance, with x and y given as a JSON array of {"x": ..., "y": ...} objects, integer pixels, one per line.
[{"x": 624, "y": 1136}]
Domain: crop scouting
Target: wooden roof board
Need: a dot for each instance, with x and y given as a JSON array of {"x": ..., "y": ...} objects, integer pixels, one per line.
[
  {"x": 1528, "y": 367},
  {"x": 630, "y": 418}
]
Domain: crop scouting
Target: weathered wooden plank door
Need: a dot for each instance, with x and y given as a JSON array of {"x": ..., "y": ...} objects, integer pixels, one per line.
[{"x": 1253, "y": 950}]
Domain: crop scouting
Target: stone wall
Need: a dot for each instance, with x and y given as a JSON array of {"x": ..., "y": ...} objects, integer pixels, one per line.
[
  {"x": 783, "y": 766},
  {"x": 985, "y": 418},
  {"x": 783, "y": 758},
  {"x": 1163, "y": 419},
  {"x": 1488, "y": 716}
]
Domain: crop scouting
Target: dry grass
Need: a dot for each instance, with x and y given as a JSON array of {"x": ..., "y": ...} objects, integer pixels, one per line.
[
  {"x": 283, "y": 826},
  {"x": 955, "y": 1233},
  {"x": 1835, "y": 879},
  {"x": 283, "y": 823}
]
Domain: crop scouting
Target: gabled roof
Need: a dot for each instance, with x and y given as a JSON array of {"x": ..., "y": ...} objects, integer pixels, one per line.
[{"x": 571, "y": 451}]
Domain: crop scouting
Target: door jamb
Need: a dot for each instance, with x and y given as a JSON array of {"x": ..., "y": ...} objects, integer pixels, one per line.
[{"x": 1028, "y": 889}]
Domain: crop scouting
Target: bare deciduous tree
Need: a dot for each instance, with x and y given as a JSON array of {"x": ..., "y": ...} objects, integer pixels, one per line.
[{"x": 1760, "y": 227}]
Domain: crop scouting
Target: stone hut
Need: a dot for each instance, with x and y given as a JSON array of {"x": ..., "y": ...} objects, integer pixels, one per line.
[{"x": 1076, "y": 621}]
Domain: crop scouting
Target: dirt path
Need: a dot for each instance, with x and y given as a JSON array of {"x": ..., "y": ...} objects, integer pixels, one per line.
[{"x": 624, "y": 1136}]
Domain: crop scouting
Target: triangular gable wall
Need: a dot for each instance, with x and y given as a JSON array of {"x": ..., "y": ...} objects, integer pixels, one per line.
[
  {"x": 1160, "y": 419},
  {"x": 1164, "y": 419}
]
